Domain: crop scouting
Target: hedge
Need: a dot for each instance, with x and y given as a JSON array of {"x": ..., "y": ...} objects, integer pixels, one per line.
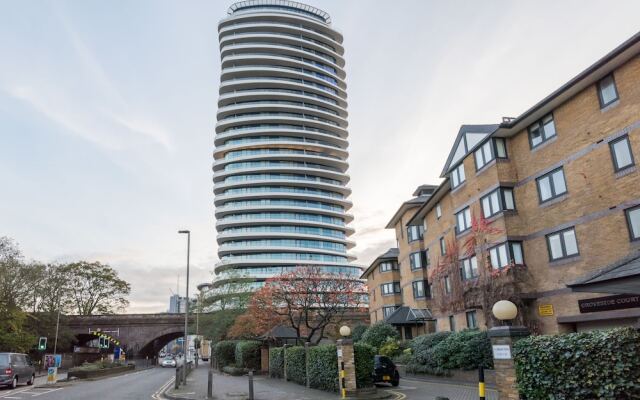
[
  {"x": 590, "y": 365},
  {"x": 323, "y": 367},
  {"x": 247, "y": 354},
  {"x": 357, "y": 332},
  {"x": 225, "y": 353},
  {"x": 296, "y": 368},
  {"x": 364, "y": 355},
  {"x": 377, "y": 334},
  {"x": 276, "y": 362},
  {"x": 437, "y": 353},
  {"x": 233, "y": 371}
]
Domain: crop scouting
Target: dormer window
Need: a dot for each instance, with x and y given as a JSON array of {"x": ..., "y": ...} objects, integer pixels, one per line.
[
  {"x": 492, "y": 149},
  {"x": 457, "y": 176}
]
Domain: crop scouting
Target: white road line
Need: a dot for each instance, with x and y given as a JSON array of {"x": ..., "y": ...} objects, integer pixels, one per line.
[
  {"x": 48, "y": 391},
  {"x": 14, "y": 391},
  {"x": 158, "y": 393}
]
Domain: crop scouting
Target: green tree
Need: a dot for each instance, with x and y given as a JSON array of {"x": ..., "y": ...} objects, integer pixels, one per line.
[
  {"x": 377, "y": 334},
  {"x": 95, "y": 288}
]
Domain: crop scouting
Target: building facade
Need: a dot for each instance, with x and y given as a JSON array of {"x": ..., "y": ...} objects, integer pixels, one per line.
[
  {"x": 543, "y": 210},
  {"x": 280, "y": 159}
]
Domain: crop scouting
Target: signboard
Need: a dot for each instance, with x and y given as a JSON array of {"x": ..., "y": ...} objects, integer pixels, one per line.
[
  {"x": 545, "y": 310},
  {"x": 52, "y": 375},
  {"x": 501, "y": 352},
  {"x": 51, "y": 360},
  {"x": 608, "y": 303},
  {"x": 339, "y": 352}
]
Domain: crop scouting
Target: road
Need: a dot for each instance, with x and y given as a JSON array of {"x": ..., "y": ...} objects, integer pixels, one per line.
[
  {"x": 134, "y": 386},
  {"x": 415, "y": 389}
]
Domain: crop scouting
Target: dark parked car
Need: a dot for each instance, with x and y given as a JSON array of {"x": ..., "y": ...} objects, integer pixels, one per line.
[
  {"x": 384, "y": 370},
  {"x": 16, "y": 368}
]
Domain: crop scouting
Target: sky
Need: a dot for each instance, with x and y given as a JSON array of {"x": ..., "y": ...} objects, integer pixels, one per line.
[{"x": 108, "y": 108}]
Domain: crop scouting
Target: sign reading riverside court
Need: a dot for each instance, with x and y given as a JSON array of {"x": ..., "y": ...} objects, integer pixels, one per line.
[{"x": 617, "y": 302}]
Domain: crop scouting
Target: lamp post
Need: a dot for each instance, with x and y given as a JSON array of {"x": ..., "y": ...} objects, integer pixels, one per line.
[{"x": 186, "y": 308}]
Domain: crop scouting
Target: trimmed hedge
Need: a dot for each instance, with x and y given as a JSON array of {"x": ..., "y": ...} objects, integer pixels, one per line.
[
  {"x": 296, "y": 368},
  {"x": 323, "y": 367},
  {"x": 247, "y": 354},
  {"x": 233, "y": 371},
  {"x": 276, "y": 362},
  {"x": 225, "y": 353},
  {"x": 437, "y": 353},
  {"x": 377, "y": 334},
  {"x": 357, "y": 332},
  {"x": 590, "y": 365},
  {"x": 364, "y": 355}
]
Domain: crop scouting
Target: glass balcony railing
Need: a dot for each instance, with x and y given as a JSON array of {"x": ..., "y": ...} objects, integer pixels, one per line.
[
  {"x": 282, "y": 202},
  {"x": 283, "y": 216},
  {"x": 283, "y": 189},
  {"x": 302, "y": 230}
]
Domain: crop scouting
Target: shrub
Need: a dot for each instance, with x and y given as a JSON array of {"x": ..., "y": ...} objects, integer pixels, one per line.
[
  {"x": 323, "y": 367},
  {"x": 276, "y": 362},
  {"x": 422, "y": 353},
  {"x": 233, "y": 371},
  {"x": 591, "y": 365},
  {"x": 225, "y": 353},
  {"x": 296, "y": 369},
  {"x": 403, "y": 358},
  {"x": 364, "y": 358},
  {"x": 376, "y": 335},
  {"x": 247, "y": 354},
  {"x": 467, "y": 349},
  {"x": 357, "y": 332},
  {"x": 390, "y": 348}
]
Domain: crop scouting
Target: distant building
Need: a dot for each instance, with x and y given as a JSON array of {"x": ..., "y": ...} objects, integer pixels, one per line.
[{"x": 177, "y": 304}]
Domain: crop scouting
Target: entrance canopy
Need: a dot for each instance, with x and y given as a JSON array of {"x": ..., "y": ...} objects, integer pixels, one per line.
[
  {"x": 409, "y": 316},
  {"x": 621, "y": 277}
]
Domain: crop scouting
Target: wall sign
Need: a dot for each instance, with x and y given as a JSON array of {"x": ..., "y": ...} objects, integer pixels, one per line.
[
  {"x": 607, "y": 303},
  {"x": 501, "y": 352},
  {"x": 545, "y": 310}
]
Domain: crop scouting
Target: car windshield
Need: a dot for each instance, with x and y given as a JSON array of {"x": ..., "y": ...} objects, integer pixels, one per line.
[
  {"x": 168, "y": 358},
  {"x": 4, "y": 359}
]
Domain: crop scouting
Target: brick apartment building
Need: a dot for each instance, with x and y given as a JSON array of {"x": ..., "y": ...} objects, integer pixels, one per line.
[{"x": 542, "y": 209}]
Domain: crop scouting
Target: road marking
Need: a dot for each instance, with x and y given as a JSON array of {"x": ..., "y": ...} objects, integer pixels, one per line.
[
  {"x": 399, "y": 396},
  {"x": 47, "y": 391},
  {"x": 158, "y": 394},
  {"x": 13, "y": 391}
]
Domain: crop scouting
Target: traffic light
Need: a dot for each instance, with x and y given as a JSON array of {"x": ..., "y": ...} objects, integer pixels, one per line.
[{"x": 42, "y": 343}]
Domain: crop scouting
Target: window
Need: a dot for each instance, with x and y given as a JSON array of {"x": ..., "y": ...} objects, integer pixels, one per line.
[
  {"x": 427, "y": 262},
  {"x": 452, "y": 323},
  {"x": 472, "y": 321},
  {"x": 505, "y": 254},
  {"x": 551, "y": 185},
  {"x": 562, "y": 244},
  {"x": 457, "y": 176},
  {"x": 408, "y": 334},
  {"x": 492, "y": 149},
  {"x": 414, "y": 232},
  {"x": 447, "y": 284},
  {"x": 418, "y": 289},
  {"x": 607, "y": 91},
  {"x": 633, "y": 221},
  {"x": 388, "y": 266},
  {"x": 386, "y": 311},
  {"x": 541, "y": 131},
  {"x": 621, "y": 153},
  {"x": 390, "y": 288},
  {"x": 443, "y": 246},
  {"x": 497, "y": 201},
  {"x": 469, "y": 268},
  {"x": 430, "y": 293},
  {"x": 416, "y": 261},
  {"x": 438, "y": 211},
  {"x": 463, "y": 220}
]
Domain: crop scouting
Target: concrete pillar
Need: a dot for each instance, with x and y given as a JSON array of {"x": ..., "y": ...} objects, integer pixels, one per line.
[
  {"x": 502, "y": 340},
  {"x": 264, "y": 359},
  {"x": 346, "y": 368}
]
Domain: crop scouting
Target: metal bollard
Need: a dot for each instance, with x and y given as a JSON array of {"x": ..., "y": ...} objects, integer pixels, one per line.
[
  {"x": 177, "y": 381},
  {"x": 481, "y": 382},
  {"x": 210, "y": 384},
  {"x": 250, "y": 385}
]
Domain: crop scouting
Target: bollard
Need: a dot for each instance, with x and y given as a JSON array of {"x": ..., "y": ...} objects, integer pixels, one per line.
[
  {"x": 210, "y": 384},
  {"x": 481, "y": 382},
  {"x": 251, "y": 385},
  {"x": 177, "y": 381}
]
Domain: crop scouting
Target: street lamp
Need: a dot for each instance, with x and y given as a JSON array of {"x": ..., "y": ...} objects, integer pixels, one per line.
[
  {"x": 186, "y": 308},
  {"x": 504, "y": 310},
  {"x": 345, "y": 331}
]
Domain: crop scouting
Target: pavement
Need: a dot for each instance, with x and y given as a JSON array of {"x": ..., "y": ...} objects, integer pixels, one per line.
[{"x": 237, "y": 388}]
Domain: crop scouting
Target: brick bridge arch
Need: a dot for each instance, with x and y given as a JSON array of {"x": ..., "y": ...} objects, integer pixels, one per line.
[{"x": 139, "y": 334}]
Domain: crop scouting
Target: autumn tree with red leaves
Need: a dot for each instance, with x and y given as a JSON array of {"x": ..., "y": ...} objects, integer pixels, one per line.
[{"x": 306, "y": 299}]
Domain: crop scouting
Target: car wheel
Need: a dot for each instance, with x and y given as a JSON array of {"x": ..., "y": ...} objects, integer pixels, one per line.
[
  {"x": 30, "y": 382},
  {"x": 14, "y": 383},
  {"x": 396, "y": 380}
]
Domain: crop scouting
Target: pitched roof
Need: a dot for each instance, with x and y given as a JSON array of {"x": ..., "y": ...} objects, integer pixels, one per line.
[
  {"x": 409, "y": 316},
  {"x": 468, "y": 138},
  {"x": 391, "y": 254},
  {"x": 622, "y": 276}
]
